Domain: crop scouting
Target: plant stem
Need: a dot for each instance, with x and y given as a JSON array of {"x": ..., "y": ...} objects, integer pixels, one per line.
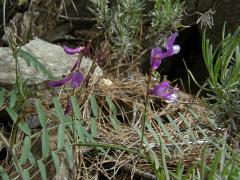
[
  {"x": 145, "y": 118},
  {"x": 14, "y": 157}
]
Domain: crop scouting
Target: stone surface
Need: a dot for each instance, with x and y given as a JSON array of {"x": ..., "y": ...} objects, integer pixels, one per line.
[{"x": 50, "y": 55}]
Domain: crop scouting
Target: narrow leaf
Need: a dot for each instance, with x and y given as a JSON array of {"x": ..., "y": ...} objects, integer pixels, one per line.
[
  {"x": 41, "y": 114},
  {"x": 70, "y": 157},
  {"x": 154, "y": 158},
  {"x": 166, "y": 132},
  {"x": 13, "y": 98},
  {"x": 114, "y": 122},
  {"x": 59, "y": 110},
  {"x": 111, "y": 105},
  {"x": 31, "y": 158},
  {"x": 45, "y": 143},
  {"x": 3, "y": 174},
  {"x": 94, "y": 127},
  {"x": 26, "y": 174},
  {"x": 75, "y": 106},
  {"x": 80, "y": 131},
  {"x": 30, "y": 59},
  {"x": 94, "y": 106},
  {"x": 23, "y": 126},
  {"x": 56, "y": 161},
  {"x": 60, "y": 138},
  {"x": 12, "y": 114},
  {"x": 42, "y": 169},
  {"x": 25, "y": 150}
]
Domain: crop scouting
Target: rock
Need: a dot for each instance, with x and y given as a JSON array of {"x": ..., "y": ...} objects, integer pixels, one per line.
[{"x": 50, "y": 55}]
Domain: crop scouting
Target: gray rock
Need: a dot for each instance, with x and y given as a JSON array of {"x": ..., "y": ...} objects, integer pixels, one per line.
[{"x": 50, "y": 55}]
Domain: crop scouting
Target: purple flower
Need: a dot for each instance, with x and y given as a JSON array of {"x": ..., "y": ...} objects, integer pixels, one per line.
[
  {"x": 72, "y": 51},
  {"x": 157, "y": 55},
  {"x": 76, "y": 79},
  {"x": 164, "y": 91}
]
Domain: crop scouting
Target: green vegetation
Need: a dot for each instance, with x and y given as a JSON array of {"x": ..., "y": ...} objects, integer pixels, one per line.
[{"x": 101, "y": 134}]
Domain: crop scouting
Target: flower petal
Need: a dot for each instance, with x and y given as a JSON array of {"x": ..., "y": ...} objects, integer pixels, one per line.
[
  {"x": 155, "y": 57},
  {"x": 59, "y": 82},
  {"x": 164, "y": 91},
  {"x": 170, "y": 46},
  {"x": 77, "y": 78},
  {"x": 160, "y": 88},
  {"x": 72, "y": 51},
  {"x": 170, "y": 40}
]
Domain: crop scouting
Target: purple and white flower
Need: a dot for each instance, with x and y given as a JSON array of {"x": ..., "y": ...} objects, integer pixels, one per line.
[
  {"x": 164, "y": 91},
  {"x": 157, "y": 55}
]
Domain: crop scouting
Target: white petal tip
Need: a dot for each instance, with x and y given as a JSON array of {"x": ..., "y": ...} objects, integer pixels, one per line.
[{"x": 176, "y": 49}]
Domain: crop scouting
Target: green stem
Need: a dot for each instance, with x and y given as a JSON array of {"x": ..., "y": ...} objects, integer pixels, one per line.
[
  {"x": 145, "y": 118},
  {"x": 14, "y": 157}
]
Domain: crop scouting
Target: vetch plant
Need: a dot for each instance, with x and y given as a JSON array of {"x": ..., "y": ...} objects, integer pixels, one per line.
[
  {"x": 76, "y": 77},
  {"x": 162, "y": 90}
]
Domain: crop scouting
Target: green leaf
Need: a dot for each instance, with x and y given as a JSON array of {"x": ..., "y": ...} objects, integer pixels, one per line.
[
  {"x": 145, "y": 141},
  {"x": 166, "y": 132},
  {"x": 2, "y": 98},
  {"x": 202, "y": 166},
  {"x": 157, "y": 138},
  {"x": 30, "y": 59},
  {"x": 45, "y": 143},
  {"x": 42, "y": 169},
  {"x": 41, "y": 114},
  {"x": 81, "y": 131},
  {"x": 12, "y": 114},
  {"x": 70, "y": 157},
  {"x": 24, "y": 127},
  {"x": 154, "y": 158},
  {"x": 59, "y": 110},
  {"x": 31, "y": 158},
  {"x": 164, "y": 160},
  {"x": 75, "y": 106},
  {"x": 3, "y": 174},
  {"x": 114, "y": 122},
  {"x": 185, "y": 120},
  {"x": 111, "y": 106},
  {"x": 56, "y": 161},
  {"x": 94, "y": 106},
  {"x": 25, "y": 150},
  {"x": 214, "y": 166},
  {"x": 26, "y": 174},
  {"x": 13, "y": 98},
  {"x": 94, "y": 127},
  {"x": 60, "y": 138}
]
